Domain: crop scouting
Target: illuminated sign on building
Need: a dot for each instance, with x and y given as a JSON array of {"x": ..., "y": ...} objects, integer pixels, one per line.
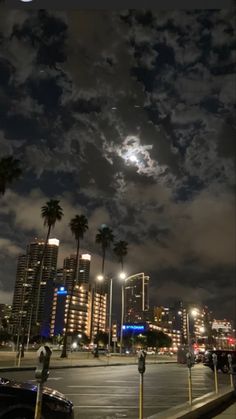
[
  {"x": 86, "y": 256},
  {"x": 54, "y": 241},
  {"x": 62, "y": 291},
  {"x": 134, "y": 327}
]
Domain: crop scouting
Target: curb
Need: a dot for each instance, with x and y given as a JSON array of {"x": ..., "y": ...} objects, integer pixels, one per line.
[
  {"x": 61, "y": 367},
  {"x": 201, "y": 408}
]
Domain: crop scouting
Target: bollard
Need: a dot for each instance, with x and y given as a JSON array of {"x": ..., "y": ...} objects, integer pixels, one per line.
[
  {"x": 41, "y": 375},
  {"x": 190, "y": 363},
  {"x": 230, "y": 370},
  {"x": 214, "y": 358},
  {"x": 141, "y": 369}
]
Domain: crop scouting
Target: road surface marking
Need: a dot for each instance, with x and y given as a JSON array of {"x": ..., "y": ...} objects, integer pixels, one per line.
[
  {"x": 114, "y": 395},
  {"x": 81, "y": 406},
  {"x": 121, "y": 381},
  {"x": 50, "y": 378}
]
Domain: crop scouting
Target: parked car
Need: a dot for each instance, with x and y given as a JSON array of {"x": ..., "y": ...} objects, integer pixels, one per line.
[
  {"x": 100, "y": 351},
  {"x": 222, "y": 359},
  {"x": 17, "y": 401}
]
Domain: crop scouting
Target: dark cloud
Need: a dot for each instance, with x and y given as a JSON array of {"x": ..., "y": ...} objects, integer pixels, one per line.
[{"x": 127, "y": 117}]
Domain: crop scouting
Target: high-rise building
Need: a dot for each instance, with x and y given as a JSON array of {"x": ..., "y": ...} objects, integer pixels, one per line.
[
  {"x": 5, "y": 315},
  {"x": 69, "y": 266},
  {"x": 136, "y": 293},
  {"x": 33, "y": 289},
  {"x": 99, "y": 313},
  {"x": 79, "y": 315},
  {"x": 84, "y": 268}
]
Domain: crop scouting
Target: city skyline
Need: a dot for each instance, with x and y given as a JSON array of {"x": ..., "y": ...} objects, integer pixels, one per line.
[
  {"x": 128, "y": 118},
  {"x": 59, "y": 280}
]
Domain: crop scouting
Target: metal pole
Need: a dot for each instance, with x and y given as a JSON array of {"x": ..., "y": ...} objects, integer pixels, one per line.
[
  {"x": 230, "y": 370},
  {"x": 188, "y": 332},
  {"x": 110, "y": 314},
  {"x": 38, "y": 407},
  {"x": 141, "y": 396},
  {"x": 216, "y": 379},
  {"x": 19, "y": 356},
  {"x": 122, "y": 316},
  {"x": 214, "y": 357},
  {"x": 190, "y": 390},
  {"x": 29, "y": 329}
]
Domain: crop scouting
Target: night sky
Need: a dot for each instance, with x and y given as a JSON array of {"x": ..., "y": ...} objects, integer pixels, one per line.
[{"x": 128, "y": 118}]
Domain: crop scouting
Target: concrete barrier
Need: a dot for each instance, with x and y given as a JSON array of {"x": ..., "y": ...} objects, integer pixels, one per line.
[{"x": 201, "y": 407}]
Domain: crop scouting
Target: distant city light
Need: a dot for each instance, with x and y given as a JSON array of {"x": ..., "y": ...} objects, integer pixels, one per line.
[
  {"x": 54, "y": 241},
  {"x": 62, "y": 291}
]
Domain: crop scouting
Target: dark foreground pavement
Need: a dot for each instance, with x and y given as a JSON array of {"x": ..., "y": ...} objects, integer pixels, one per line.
[{"x": 112, "y": 392}]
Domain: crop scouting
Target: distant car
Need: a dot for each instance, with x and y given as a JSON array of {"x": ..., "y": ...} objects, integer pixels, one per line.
[
  {"x": 17, "y": 401},
  {"x": 101, "y": 351},
  {"x": 150, "y": 352},
  {"x": 222, "y": 359}
]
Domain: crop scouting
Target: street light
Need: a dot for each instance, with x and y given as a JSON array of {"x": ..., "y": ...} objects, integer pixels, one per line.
[
  {"x": 122, "y": 277},
  {"x": 100, "y": 278},
  {"x": 194, "y": 313}
]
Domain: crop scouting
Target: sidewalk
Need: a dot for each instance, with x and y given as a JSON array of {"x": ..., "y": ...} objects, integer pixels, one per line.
[
  {"x": 8, "y": 360},
  {"x": 229, "y": 413}
]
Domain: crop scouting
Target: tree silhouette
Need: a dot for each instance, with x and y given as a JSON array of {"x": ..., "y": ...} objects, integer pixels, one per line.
[{"x": 78, "y": 226}]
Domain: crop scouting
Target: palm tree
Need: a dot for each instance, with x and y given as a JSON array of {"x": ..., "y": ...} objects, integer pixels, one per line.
[
  {"x": 78, "y": 226},
  {"x": 51, "y": 212},
  {"x": 9, "y": 171},
  {"x": 105, "y": 237},
  {"x": 120, "y": 250}
]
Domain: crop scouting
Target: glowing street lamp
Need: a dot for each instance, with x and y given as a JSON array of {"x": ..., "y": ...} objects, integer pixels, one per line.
[
  {"x": 194, "y": 312},
  {"x": 122, "y": 277}
]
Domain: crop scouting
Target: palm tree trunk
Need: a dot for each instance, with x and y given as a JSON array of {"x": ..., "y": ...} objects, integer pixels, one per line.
[
  {"x": 64, "y": 348},
  {"x": 103, "y": 259}
]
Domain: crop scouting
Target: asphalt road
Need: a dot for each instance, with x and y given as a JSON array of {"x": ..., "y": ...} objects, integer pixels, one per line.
[{"x": 112, "y": 392}]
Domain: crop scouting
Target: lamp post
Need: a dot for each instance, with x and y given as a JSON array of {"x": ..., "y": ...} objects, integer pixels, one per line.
[
  {"x": 100, "y": 278},
  {"x": 110, "y": 314},
  {"x": 122, "y": 276},
  {"x": 193, "y": 312}
]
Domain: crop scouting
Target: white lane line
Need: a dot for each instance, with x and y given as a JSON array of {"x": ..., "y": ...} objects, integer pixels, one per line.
[
  {"x": 110, "y": 387},
  {"x": 81, "y": 386},
  {"x": 114, "y": 395},
  {"x": 81, "y": 406},
  {"x": 50, "y": 378},
  {"x": 121, "y": 381},
  {"x": 131, "y": 396}
]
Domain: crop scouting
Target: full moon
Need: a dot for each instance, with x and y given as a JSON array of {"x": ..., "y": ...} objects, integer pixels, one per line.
[{"x": 133, "y": 158}]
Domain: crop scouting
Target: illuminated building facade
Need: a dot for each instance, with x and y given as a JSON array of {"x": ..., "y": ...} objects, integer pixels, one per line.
[
  {"x": 99, "y": 316},
  {"x": 69, "y": 266},
  {"x": 69, "y": 271},
  {"x": 34, "y": 288},
  {"x": 79, "y": 315},
  {"x": 5, "y": 315},
  {"x": 84, "y": 268},
  {"x": 136, "y": 291},
  {"x": 174, "y": 334}
]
